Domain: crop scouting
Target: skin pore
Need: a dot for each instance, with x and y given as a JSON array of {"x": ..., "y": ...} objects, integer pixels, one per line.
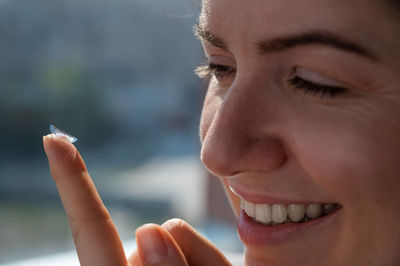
[{"x": 303, "y": 105}]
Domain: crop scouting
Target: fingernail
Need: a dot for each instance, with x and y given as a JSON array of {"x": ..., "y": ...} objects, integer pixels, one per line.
[{"x": 151, "y": 243}]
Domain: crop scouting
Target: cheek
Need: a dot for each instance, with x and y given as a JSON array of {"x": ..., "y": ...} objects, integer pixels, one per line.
[
  {"x": 358, "y": 167},
  {"x": 353, "y": 161}
]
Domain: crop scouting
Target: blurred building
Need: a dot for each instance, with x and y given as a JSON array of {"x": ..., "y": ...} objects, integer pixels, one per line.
[{"x": 120, "y": 68}]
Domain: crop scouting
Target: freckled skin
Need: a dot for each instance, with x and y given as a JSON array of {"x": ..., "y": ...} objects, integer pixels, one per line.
[{"x": 342, "y": 149}]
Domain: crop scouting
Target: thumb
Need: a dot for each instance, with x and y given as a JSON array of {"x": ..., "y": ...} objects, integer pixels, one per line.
[
  {"x": 155, "y": 246},
  {"x": 197, "y": 249}
]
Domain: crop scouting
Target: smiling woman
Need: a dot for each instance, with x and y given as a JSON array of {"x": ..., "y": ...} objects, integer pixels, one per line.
[{"x": 300, "y": 123}]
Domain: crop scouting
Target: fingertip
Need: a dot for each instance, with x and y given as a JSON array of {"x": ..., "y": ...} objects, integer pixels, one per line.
[
  {"x": 156, "y": 246},
  {"x": 146, "y": 227},
  {"x": 151, "y": 243},
  {"x": 55, "y": 145},
  {"x": 176, "y": 226},
  {"x": 197, "y": 249},
  {"x": 62, "y": 155},
  {"x": 180, "y": 229}
]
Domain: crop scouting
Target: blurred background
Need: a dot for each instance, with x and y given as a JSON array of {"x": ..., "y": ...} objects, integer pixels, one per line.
[{"x": 117, "y": 74}]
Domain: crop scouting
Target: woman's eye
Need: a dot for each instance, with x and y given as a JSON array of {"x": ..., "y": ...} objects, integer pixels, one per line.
[
  {"x": 316, "y": 89},
  {"x": 219, "y": 71}
]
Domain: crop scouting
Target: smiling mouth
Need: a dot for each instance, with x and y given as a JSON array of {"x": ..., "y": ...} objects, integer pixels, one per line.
[{"x": 276, "y": 214}]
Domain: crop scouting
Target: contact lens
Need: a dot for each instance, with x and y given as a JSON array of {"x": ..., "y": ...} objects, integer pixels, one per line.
[{"x": 59, "y": 133}]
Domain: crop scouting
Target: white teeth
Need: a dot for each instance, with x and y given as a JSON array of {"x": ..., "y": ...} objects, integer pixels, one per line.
[
  {"x": 279, "y": 213},
  {"x": 263, "y": 213},
  {"x": 242, "y": 204},
  {"x": 249, "y": 208},
  {"x": 314, "y": 210},
  {"x": 296, "y": 212}
]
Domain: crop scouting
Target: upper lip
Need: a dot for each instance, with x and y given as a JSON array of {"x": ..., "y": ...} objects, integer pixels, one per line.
[{"x": 262, "y": 198}]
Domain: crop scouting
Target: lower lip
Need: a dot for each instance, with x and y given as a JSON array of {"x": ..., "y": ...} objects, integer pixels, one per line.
[{"x": 254, "y": 233}]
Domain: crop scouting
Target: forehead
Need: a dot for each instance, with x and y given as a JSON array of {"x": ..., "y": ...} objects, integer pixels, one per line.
[
  {"x": 238, "y": 20},
  {"x": 274, "y": 15},
  {"x": 231, "y": 11},
  {"x": 272, "y": 8}
]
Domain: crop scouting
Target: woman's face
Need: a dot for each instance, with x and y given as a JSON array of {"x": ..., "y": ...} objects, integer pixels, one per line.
[{"x": 303, "y": 107}]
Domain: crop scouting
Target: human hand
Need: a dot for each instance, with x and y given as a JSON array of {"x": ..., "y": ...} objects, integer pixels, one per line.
[{"x": 95, "y": 236}]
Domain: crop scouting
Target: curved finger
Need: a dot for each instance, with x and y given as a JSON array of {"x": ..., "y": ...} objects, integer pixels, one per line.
[
  {"x": 155, "y": 246},
  {"x": 197, "y": 249},
  {"x": 95, "y": 236}
]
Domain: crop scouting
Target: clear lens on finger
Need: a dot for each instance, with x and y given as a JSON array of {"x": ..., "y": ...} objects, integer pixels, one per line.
[{"x": 61, "y": 134}]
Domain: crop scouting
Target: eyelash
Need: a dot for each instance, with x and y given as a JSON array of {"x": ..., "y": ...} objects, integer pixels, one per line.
[
  {"x": 221, "y": 71},
  {"x": 316, "y": 89}
]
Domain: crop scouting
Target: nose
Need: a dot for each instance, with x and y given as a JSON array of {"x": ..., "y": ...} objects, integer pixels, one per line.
[{"x": 242, "y": 133}]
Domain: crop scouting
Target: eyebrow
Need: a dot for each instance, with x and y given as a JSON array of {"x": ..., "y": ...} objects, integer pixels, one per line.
[
  {"x": 287, "y": 42},
  {"x": 202, "y": 32}
]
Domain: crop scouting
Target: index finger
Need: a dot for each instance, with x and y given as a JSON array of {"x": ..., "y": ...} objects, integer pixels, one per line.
[{"x": 96, "y": 238}]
